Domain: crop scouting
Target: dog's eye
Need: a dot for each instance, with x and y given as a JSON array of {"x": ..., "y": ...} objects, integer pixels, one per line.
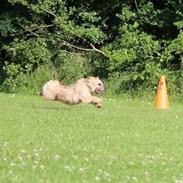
[{"x": 100, "y": 84}]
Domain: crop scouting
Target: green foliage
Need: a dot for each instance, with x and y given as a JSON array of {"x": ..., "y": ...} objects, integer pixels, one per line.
[
  {"x": 172, "y": 59},
  {"x": 71, "y": 67},
  {"x": 18, "y": 81},
  {"x": 33, "y": 82},
  {"x": 23, "y": 58},
  {"x": 174, "y": 52},
  {"x": 6, "y": 26},
  {"x": 28, "y": 53},
  {"x": 135, "y": 54},
  {"x": 132, "y": 42},
  {"x": 15, "y": 77}
]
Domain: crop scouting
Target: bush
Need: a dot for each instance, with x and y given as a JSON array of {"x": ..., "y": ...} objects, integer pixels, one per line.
[
  {"x": 70, "y": 67},
  {"x": 35, "y": 81},
  {"x": 29, "y": 83}
]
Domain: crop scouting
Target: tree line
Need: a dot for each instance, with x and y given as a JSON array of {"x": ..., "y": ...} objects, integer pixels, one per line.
[{"x": 128, "y": 43}]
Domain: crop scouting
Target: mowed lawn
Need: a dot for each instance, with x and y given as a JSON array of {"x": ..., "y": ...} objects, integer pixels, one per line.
[{"x": 125, "y": 141}]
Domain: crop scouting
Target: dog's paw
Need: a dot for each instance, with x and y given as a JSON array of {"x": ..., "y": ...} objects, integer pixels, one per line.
[{"x": 98, "y": 105}]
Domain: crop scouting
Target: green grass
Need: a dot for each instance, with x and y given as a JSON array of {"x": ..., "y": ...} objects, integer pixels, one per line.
[{"x": 125, "y": 141}]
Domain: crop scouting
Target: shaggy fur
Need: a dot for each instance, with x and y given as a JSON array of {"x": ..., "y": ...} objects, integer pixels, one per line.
[{"x": 79, "y": 92}]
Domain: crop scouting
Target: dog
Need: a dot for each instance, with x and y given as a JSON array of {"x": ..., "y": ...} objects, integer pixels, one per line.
[{"x": 79, "y": 92}]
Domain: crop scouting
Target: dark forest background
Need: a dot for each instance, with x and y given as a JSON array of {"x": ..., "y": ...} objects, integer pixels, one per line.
[{"x": 128, "y": 43}]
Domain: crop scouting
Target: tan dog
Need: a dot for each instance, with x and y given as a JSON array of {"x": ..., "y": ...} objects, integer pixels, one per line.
[{"x": 79, "y": 92}]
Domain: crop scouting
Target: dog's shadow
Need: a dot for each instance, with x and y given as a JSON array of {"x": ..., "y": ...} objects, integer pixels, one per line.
[
  {"x": 55, "y": 106},
  {"x": 62, "y": 107}
]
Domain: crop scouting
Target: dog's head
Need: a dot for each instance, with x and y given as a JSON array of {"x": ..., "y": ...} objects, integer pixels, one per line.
[{"x": 95, "y": 84}]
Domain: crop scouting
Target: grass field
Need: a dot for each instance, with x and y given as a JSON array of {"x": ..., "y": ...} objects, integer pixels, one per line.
[{"x": 125, "y": 141}]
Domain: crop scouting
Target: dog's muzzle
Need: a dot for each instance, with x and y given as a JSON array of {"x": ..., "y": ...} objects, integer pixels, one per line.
[{"x": 99, "y": 90}]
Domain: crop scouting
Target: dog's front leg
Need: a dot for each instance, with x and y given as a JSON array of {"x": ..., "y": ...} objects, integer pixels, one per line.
[{"x": 97, "y": 102}]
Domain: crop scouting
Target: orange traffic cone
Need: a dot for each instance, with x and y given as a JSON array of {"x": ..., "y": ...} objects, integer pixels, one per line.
[{"x": 161, "y": 100}]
